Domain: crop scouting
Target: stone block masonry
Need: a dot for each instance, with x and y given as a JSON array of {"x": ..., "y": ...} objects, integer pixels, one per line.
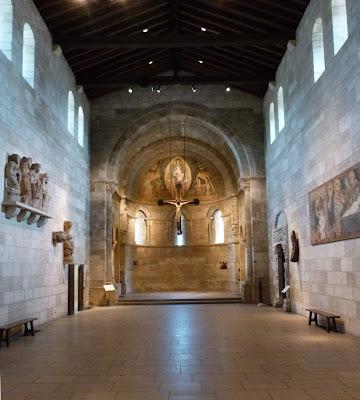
[
  {"x": 33, "y": 123},
  {"x": 321, "y": 139}
]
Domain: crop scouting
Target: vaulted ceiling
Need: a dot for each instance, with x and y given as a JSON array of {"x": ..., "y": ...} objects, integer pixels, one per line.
[{"x": 104, "y": 43}]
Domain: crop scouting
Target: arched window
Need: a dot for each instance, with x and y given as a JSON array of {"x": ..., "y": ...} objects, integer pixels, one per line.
[
  {"x": 281, "y": 110},
  {"x": 339, "y": 22},
  {"x": 81, "y": 127},
  {"x": 272, "y": 122},
  {"x": 6, "y": 27},
  {"x": 28, "y": 64},
  {"x": 71, "y": 113},
  {"x": 219, "y": 227},
  {"x": 180, "y": 239},
  {"x": 140, "y": 228},
  {"x": 318, "y": 49}
]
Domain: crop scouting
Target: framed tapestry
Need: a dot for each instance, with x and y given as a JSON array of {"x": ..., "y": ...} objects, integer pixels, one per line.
[{"x": 335, "y": 208}]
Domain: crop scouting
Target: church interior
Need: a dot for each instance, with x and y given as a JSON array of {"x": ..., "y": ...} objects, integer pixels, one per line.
[{"x": 180, "y": 212}]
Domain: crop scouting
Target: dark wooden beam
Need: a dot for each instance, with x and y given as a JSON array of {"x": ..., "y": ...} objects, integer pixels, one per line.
[
  {"x": 93, "y": 82},
  {"x": 174, "y": 30},
  {"x": 171, "y": 41}
]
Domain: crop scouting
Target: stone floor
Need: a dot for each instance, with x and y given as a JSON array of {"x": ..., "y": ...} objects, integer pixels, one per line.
[
  {"x": 182, "y": 352},
  {"x": 180, "y": 295}
]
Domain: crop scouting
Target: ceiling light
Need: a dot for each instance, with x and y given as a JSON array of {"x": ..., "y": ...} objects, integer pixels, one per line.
[
  {"x": 203, "y": 29},
  {"x": 146, "y": 30},
  {"x": 131, "y": 89},
  {"x": 228, "y": 88},
  {"x": 150, "y": 62},
  {"x": 201, "y": 61},
  {"x": 158, "y": 89},
  {"x": 193, "y": 88}
]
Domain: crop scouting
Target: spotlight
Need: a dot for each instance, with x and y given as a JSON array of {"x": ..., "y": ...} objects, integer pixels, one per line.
[
  {"x": 158, "y": 89},
  {"x": 131, "y": 89},
  {"x": 150, "y": 62},
  {"x": 203, "y": 29},
  {"x": 153, "y": 89},
  {"x": 193, "y": 88},
  {"x": 228, "y": 88},
  {"x": 201, "y": 61},
  {"x": 145, "y": 30}
]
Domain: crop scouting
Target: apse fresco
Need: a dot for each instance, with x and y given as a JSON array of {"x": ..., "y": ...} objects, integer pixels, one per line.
[
  {"x": 161, "y": 179},
  {"x": 178, "y": 172},
  {"x": 335, "y": 208}
]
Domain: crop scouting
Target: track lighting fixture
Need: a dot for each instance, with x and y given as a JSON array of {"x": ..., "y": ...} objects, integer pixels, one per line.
[
  {"x": 156, "y": 89},
  {"x": 193, "y": 88},
  {"x": 131, "y": 89},
  {"x": 228, "y": 88}
]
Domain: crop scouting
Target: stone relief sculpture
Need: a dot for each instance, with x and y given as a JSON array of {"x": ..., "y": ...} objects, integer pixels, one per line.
[
  {"x": 295, "y": 247},
  {"x": 234, "y": 216},
  {"x": 66, "y": 238},
  {"x": 45, "y": 197},
  {"x": 12, "y": 178},
  {"x": 24, "y": 183},
  {"x": 36, "y": 198},
  {"x": 68, "y": 244},
  {"x": 26, "y": 191}
]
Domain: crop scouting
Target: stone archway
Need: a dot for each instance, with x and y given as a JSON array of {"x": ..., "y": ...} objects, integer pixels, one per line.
[{"x": 132, "y": 151}]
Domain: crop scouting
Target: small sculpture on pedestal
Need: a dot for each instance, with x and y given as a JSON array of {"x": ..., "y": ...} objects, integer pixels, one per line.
[
  {"x": 12, "y": 178},
  {"x": 66, "y": 238}
]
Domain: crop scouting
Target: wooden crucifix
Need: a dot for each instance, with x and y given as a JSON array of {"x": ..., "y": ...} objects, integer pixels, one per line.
[{"x": 178, "y": 203}]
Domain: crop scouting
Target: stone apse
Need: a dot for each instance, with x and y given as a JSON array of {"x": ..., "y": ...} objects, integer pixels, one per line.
[{"x": 133, "y": 240}]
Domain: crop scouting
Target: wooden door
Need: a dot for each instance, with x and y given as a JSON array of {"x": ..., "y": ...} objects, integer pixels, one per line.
[{"x": 71, "y": 289}]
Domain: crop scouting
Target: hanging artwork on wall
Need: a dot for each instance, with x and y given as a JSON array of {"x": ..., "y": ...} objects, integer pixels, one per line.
[{"x": 335, "y": 208}]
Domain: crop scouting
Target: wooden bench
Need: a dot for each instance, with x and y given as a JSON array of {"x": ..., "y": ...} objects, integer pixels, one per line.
[
  {"x": 7, "y": 328},
  {"x": 325, "y": 314}
]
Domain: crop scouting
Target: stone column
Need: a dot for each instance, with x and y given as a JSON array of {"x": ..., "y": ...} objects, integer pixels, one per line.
[
  {"x": 248, "y": 286},
  {"x": 101, "y": 238},
  {"x": 123, "y": 241},
  {"x": 110, "y": 190}
]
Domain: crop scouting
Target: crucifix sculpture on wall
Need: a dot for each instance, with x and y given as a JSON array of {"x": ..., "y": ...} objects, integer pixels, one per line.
[{"x": 178, "y": 203}]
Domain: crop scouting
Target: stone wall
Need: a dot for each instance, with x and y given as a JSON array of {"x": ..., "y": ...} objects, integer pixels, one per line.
[
  {"x": 33, "y": 123},
  {"x": 321, "y": 139},
  {"x": 169, "y": 268},
  {"x": 161, "y": 265}
]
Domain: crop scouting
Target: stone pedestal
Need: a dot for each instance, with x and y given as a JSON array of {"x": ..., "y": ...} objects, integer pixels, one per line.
[{"x": 247, "y": 292}]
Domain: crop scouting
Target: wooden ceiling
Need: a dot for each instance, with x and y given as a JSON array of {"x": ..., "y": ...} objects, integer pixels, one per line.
[{"x": 104, "y": 43}]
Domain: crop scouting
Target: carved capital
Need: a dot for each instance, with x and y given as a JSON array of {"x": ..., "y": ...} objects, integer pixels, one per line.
[
  {"x": 110, "y": 188},
  {"x": 245, "y": 184}
]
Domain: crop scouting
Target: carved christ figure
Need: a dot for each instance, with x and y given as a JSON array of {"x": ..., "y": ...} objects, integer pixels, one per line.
[{"x": 178, "y": 203}]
